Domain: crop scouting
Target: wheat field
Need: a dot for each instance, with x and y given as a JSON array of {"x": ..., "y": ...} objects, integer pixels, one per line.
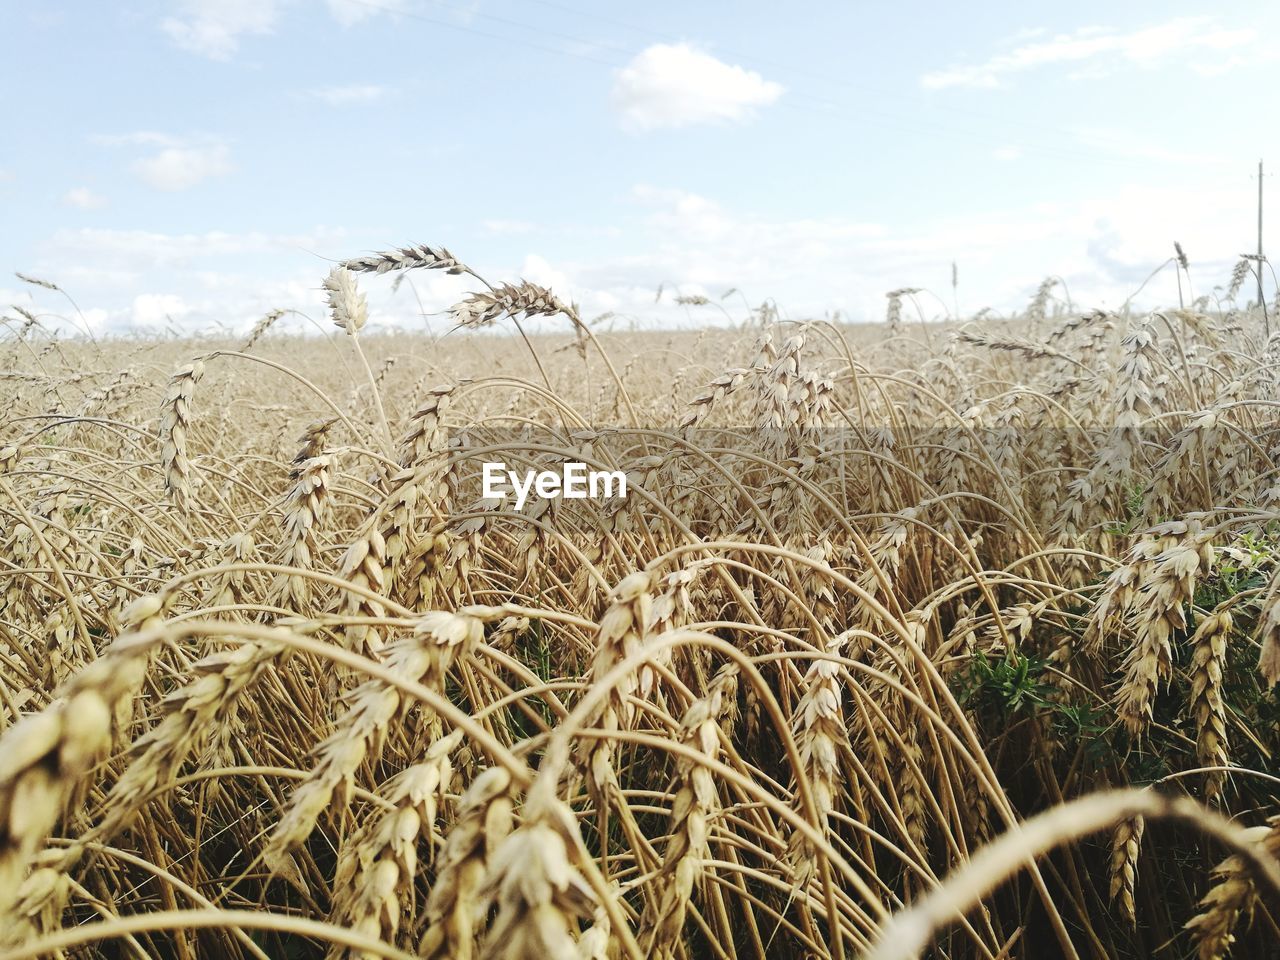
[{"x": 952, "y": 640}]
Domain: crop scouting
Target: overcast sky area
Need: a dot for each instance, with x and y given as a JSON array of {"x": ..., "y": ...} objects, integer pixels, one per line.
[{"x": 193, "y": 163}]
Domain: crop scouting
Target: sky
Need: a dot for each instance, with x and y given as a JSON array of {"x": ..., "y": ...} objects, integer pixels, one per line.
[{"x": 192, "y": 164}]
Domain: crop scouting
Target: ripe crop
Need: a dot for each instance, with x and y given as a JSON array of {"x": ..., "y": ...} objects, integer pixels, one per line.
[{"x": 950, "y": 640}]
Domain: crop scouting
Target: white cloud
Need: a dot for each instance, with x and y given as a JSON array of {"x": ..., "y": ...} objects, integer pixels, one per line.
[
  {"x": 158, "y": 309},
  {"x": 1024, "y": 34},
  {"x": 83, "y": 198},
  {"x": 139, "y": 278},
  {"x": 140, "y": 250},
  {"x": 137, "y": 138},
  {"x": 703, "y": 220},
  {"x": 538, "y": 270},
  {"x": 1099, "y": 48},
  {"x": 81, "y": 276},
  {"x": 1124, "y": 143},
  {"x": 341, "y": 96},
  {"x": 1217, "y": 68},
  {"x": 1007, "y": 154},
  {"x": 6, "y": 176},
  {"x": 677, "y": 85},
  {"x": 1104, "y": 246},
  {"x": 507, "y": 228},
  {"x": 213, "y": 28},
  {"x": 682, "y": 210},
  {"x": 96, "y": 317},
  {"x": 181, "y": 167},
  {"x": 180, "y": 162},
  {"x": 350, "y": 12}
]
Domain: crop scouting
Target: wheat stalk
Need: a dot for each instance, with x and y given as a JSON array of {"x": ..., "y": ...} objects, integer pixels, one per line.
[
  {"x": 175, "y": 423},
  {"x": 415, "y": 257},
  {"x": 484, "y": 819},
  {"x": 693, "y": 803},
  {"x": 360, "y": 733},
  {"x": 374, "y": 881}
]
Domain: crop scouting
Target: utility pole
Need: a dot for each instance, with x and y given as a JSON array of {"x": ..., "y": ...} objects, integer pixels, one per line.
[
  {"x": 1259, "y": 264},
  {"x": 955, "y": 287}
]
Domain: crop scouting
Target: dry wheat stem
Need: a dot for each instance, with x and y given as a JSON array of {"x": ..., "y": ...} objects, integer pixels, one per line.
[{"x": 910, "y": 931}]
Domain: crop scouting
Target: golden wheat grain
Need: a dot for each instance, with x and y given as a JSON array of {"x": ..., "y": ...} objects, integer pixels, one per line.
[{"x": 175, "y": 424}]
